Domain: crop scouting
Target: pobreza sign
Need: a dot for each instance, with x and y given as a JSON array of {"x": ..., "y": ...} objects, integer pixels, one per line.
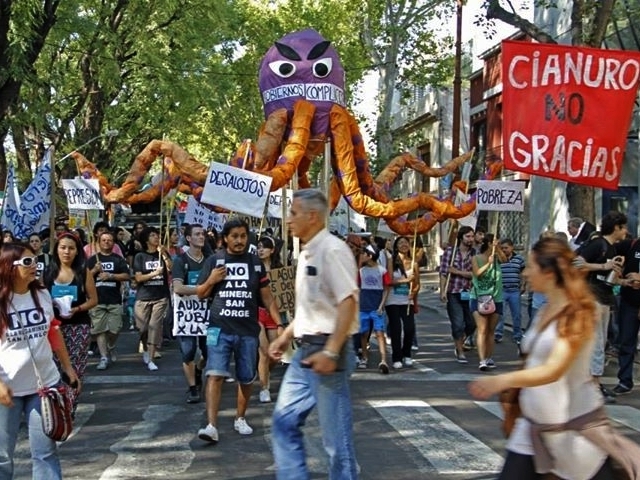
[
  {"x": 567, "y": 110},
  {"x": 501, "y": 196},
  {"x": 236, "y": 190},
  {"x": 82, "y": 194}
]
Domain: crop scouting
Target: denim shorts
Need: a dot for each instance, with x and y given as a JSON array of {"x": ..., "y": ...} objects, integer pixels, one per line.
[
  {"x": 245, "y": 353},
  {"x": 189, "y": 347},
  {"x": 369, "y": 319}
]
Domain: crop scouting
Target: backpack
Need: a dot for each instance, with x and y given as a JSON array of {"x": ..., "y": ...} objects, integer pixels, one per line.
[{"x": 594, "y": 237}]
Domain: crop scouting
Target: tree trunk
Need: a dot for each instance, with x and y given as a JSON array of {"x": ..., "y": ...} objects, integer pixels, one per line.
[{"x": 581, "y": 200}]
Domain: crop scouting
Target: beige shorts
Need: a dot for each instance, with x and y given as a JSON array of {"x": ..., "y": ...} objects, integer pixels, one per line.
[{"x": 106, "y": 318}]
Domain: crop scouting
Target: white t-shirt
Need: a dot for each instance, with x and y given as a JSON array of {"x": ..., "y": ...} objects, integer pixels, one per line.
[
  {"x": 27, "y": 323},
  {"x": 571, "y": 396}
]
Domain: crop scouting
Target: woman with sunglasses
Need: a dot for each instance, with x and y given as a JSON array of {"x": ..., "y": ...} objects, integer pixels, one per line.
[
  {"x": 26, "y": 315},
  {"x": 67, "y": 275}
]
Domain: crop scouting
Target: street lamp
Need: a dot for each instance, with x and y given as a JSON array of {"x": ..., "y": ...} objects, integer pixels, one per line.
[{"x": 52, "y": 210}]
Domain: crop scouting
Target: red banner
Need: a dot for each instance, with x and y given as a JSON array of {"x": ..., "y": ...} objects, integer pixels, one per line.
[{"x": 567, "y": 110}]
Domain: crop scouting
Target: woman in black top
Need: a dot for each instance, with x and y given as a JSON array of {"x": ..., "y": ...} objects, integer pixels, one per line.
[{"x": 66, "y": 275}]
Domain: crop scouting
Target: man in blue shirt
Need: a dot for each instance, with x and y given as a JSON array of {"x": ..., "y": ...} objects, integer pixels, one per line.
[{"x": 512, "y": 287}]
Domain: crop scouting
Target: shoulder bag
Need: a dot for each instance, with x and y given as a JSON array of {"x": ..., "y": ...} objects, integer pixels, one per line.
[
  {"x": 56, "y": 405},
  {"x": 486, "y": 302}
]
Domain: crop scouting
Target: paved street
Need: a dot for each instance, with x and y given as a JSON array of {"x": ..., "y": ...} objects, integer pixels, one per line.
[{"x": 415, "y": 423}]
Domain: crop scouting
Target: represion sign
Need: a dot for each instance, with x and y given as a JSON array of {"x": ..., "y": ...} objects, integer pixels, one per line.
[
  {"x": 567, "y": 110},
  {"x": 500, "y": 196},
  {"x": 83, "y": 194},
  {"x": 236, "y": 190}
]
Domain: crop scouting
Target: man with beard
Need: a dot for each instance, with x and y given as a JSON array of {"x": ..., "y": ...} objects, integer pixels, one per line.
[
  {"x": 456, "y": 266},
  {"x": 233, "y": 279},
  {"x": 109, "y": 270}
]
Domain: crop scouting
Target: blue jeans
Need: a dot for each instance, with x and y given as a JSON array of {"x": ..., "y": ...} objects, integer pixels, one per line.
[
  {"x": 44, "y": 452},
  {"x": 512, "y": 300},
  {"x": 302, "y": 390},
  {"x": 629, "y": 323},
  {"x": 462, "y": 323},
  {"x": 189, "y": 346}
]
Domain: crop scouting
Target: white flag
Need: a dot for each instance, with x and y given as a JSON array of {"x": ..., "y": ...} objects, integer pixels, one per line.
[
  {"x": 11, "y": 219},
  {"x": 35, "y": 202}
]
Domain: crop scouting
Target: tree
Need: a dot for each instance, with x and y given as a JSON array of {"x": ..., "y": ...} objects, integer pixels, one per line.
[
  {"x": 589, "y": 21},
  {"x": 404, "y": 45}
]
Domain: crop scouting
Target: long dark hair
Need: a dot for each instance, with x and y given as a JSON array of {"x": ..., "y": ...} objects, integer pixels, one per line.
[
  {"x": 78, "y": 265},
  {"x": 395, "y": 255},
  {"x": 9, "y": 253},
  {"x": 268, "y": 242}
]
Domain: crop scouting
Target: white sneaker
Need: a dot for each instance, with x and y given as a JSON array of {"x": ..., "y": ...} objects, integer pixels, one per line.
[
  {"x": 157, "y": 355},
  {"x": 103, "y": 364},
  {"x": 152, "y": 367},
  {"x": 241, "y": 426},
  {"x": 265, "y": 396},
  {"x": 408, "y": 362},
  {"x": 397, "y": 365},
  {"x": 208, "y": 434},
  {"x": 229, "y": 380},
  {"x": 145, "y": 357}
]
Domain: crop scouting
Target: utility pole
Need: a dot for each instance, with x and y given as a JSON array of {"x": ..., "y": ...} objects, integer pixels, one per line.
[{"x": 457, "y": 84}]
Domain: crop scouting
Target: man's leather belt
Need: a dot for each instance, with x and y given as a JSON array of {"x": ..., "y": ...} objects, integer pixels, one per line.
[{"x": 319, "y": 339}]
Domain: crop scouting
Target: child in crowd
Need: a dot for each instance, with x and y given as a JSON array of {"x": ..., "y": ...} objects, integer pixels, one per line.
[{"x": 374, "y": 287}]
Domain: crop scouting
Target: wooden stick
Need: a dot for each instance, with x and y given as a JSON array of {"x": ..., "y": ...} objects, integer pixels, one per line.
[{"x": 244, "y": 165}]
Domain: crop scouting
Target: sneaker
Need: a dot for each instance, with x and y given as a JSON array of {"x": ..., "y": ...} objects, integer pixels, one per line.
[
  {"x": 208, "y": 434},
  {"x": 145, "y": 357},
  {"x": 193, "y": 396},
  {"x": 608, "y": 395},
  {"x": 241, "y": 426},
  {"x": 483, "y": 366},
  {"x": 152, "y": 367},
  {"x": 408, "y": 362},
  {"x": 490, "y": 363},
  {"x": 229, "y": 380},
  {"x": 157, "y": 355},
  {"x": 362, "y": 363},
  {"x": 468, "y": 344},
  {"x": 414, "y": 348},
  {"x": 384, "y": 368},
  {"x": 498, "y": 338},
  {"x": 397, "y": 365},
  {"x": 460, "y": 357},
  {"x": 265, "y": 396},
  {"x": 103, "y": 363},
  {"x": 621, "y": 389}
]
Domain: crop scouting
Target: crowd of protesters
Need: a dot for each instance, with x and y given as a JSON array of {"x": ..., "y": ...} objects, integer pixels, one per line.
[{"x": 89, "y": 281}]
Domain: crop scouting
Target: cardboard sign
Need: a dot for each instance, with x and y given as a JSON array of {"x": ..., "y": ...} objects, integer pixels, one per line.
[
  {"x": 236, "y": 190},
  {"x": 283, "y": 286},
  {"x": 190, "y": 315},
  {"x": 567, "y": 110},
  {"x": 83, "y": 194},
  {"x": 500, "y": 196},
  {"x": 198, "y": 214}
]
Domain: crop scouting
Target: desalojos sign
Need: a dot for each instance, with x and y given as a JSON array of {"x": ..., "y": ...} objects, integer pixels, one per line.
[
  {"x": 83, "y": 194},
  {"x": 567, "y": 110},
  {"x": 500, "y": 196},
  {"x": 236, "y": 190}
]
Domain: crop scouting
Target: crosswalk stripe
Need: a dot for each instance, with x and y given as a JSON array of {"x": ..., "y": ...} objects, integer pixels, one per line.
[
  {"x": 173, "y": 453},
  {"x": 437, "y": 438}
]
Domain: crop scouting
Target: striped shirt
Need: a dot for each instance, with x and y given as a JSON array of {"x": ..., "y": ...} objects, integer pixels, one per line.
[{"x": 512, "y": 273}]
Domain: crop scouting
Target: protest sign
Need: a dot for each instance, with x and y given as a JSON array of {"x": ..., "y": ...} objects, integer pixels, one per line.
[
  {"x": 190, "y": 315},
  {"x": 567, "y": 110},
  {"x": 11, "y": 219},
  {"x": 283, "y": 285},
  {"x": 500, "y": 196},
  {"x": 35, "y": 202},
  {"x": 274, "y": 209},
  {"x": 199, "y": 214},
  {"x": 83, "y": 193},
  {"x": 236, "y": 190}
]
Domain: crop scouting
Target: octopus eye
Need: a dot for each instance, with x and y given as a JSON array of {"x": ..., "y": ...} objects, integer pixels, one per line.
[
  {"x": 282, "y": 69},
  {"x": 322, "y": 68}
]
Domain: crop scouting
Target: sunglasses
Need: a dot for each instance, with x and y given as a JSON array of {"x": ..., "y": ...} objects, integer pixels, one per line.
[{"x": 26, "y": 261}]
